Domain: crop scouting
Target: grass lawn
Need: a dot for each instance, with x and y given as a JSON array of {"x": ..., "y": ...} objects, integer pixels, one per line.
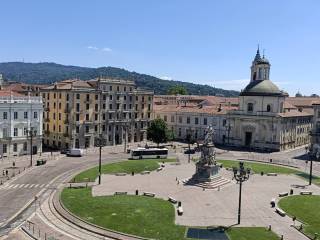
[
  {"x": 128, "y": 166},
  {"x": 137, "y": 215},
  {"x": 251, "y": 233},
  {"x": 306, "y": 209},
  {"x": 269, "y": 168}
]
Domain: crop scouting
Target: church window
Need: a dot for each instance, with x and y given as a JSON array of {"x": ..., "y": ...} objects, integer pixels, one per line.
[{"x": 250, "y": 107}]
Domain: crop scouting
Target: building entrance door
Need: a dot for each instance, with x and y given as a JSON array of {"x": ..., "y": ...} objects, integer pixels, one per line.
[{"x": 248, "y": 139}]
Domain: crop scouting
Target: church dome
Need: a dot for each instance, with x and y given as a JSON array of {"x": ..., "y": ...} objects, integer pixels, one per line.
[{"x": 262, "y": 88}]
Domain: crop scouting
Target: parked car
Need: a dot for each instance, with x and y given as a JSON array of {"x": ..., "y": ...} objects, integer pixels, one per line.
[
  {"x": 75, "y": 152},
  {"x": 190, "y": 151},
  {"x": 64, "y": 151}
]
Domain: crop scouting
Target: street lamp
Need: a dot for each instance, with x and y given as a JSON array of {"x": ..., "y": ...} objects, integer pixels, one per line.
[
  {"x": 100, "y": 142},
  {"x": 240, "y": 175},
  {"x": 317, "y": 157},
  {"x": 31, "y": 133},
  {"x": 189, "y": 139}
]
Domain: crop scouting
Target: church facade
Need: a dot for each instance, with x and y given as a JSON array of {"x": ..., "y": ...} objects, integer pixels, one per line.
[{"x": 265, "y": 119}]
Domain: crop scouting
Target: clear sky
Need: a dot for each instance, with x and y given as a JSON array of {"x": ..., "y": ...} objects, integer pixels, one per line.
[{"x": 201, "y": 41}]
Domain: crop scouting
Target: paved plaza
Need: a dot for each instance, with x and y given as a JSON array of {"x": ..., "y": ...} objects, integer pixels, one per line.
[{"x": 213, "y": 207}]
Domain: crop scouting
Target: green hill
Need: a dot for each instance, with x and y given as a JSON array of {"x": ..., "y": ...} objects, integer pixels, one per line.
[{"x": 52, "y": 72}]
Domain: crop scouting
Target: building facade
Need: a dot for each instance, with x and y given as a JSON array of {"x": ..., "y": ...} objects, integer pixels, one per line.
[
  {"x": 78, "y": 112},
  {"x": 19, "y": 116},
  {"x": 265, "y": 119}
]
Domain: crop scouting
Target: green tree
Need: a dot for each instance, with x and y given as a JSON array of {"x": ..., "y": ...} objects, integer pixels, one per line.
[
  {"x": 158, "y": 131},
  {"x": 177, "y": 89}
]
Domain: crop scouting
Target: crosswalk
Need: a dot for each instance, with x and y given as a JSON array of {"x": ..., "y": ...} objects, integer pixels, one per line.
[{"x": 25, "y": 186}]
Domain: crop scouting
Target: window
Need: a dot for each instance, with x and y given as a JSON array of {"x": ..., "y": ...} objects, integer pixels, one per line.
[
  {"x": 67, "y": 97},
  {"x": 110, "y": 106},
  {"x": 59, "y": 128},
  {"x": 118, "y": 88},
  {"x": 110, "y": 115},
  {"x": 180, "y": 119},
  {"x": 165, "y": 118},
  {"x": 15, "y": 147},
  {"x": 59, "y": 105},
  {"x": 205, "y": 121},
  {"x": 110, "y": 88},
  {"x": 25, "y": 131},
  {"x": 96, "y": 128},
  {"x": 25, "y": 115},
  {"x": 59, "y": 116},
  {"x": 4, "y": 132},
  {"x": 96, "y": 107},
  {"x": 224, "y": 122},
  {"x": 35, "y": 115},
  {"x": 96, "y": 96},
  {"x": 77, "y": 117},
  {"x": 77, "y": 129},
  {"x": 118, "y": 97},
  {"x": 87, "y": 106},
  {"x": 110, "y": 97},
  {"x": 15, "y": 132},
  {"x": 196, "y": 120},
  {"x": 78, "y": 96},
  {"x": 78, "y": 107},
  {"x": 188, "y": 120},
  {"x": 250, "y": 107},
  {"x": 25, "y": 146},
  {"x": 268, "y": 108},
  {"x": 172, "y": 118},
  {"x": 87, "y": 129},
  {"x": 15, "y": 115},
  {"x": 88, "y": 97},
  {"x": 5, "y": 115},
  {"x": 96, "y": 117},
  {"x": 4, "y": 148},
  {"x": 87, "y": 117},
  {"x": 179, "y": 132},
  {"x": 59, "y": 95}
]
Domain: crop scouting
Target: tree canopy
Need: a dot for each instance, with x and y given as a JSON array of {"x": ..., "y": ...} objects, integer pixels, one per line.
[
  {"x": 177, "y": 89},
  {"x": 158, "y": 131}
]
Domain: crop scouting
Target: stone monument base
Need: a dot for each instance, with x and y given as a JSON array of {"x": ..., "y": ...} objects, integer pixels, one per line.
[{"x": 208, "y": 183}]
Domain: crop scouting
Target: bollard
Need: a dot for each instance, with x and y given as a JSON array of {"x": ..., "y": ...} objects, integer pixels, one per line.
[
  {"x": 39, "y": 232},
  {"x": 86, "y": 185},
  {"x": 70, "y": 185},
  {"x": 262, "y": 173},
  {"x": 291, "y": 191},
  {"x": 45, "y": 236},
  {"x": 179, "y": 204},
  {"x": 137, "y": 192},
  {"x": 269, "y": 227},
  {"x": 281, "y": 237}
]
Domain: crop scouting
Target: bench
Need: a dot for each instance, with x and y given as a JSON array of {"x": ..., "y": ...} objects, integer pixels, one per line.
[
  {"x": 159, "y": 169},
  {"x": 283, "y": 194},
  {"x": 121, "y": 174},
  {"x": 149, "y": 194},
  {"x": 120, "y": 193},
  {"x": 145, "y": 172},
  {"x": 272, "y": 174},
  {"x": 280, "y": 212},
  {"x": 305, "y": 193},
  {"x": 180, "y": 211},
  {"x": 299, "y": 186},
  {"x": 174, "y": 201}
]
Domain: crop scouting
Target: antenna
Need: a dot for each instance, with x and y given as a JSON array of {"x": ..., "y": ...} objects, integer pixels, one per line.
[{"x": 263, "y": 53}]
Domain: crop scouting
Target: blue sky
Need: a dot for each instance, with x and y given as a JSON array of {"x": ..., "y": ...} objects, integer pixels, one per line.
[{"x": 209, "y": 42}]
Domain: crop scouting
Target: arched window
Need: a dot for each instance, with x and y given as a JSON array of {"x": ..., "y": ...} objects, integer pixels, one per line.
[
  {"x": 250, "y": 107},
  {"x": 268, "y": 108}
]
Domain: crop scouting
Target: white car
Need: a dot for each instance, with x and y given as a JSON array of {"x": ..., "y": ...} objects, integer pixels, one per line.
[{"x": 75, "y": 152}]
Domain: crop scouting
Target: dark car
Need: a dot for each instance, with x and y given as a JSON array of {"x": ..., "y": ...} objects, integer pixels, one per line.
[
  {"x": 190, "y": 151},
  {"x": 64, "y": 151}
]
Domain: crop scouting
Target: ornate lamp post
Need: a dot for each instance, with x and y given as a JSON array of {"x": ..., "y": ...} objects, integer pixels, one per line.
[
  {"x": 189, "y": 139},
  {"x": 240, "y": 175},
  {"x": 31, "y": 133},
  {"x": 100, "y": 142},
  {"x": 311, "y": 156}
]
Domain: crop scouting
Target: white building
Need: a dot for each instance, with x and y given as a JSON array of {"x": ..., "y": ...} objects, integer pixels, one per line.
[
  {"x": 266, "y": 119},
  {"x": 18, "y": 115}
]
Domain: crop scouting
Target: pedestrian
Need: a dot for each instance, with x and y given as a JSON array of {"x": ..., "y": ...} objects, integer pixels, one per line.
[{"x": 7, "y": 172}]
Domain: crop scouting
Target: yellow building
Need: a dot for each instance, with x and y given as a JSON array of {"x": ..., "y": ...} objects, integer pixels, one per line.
[{"x": 76, "y": 111}]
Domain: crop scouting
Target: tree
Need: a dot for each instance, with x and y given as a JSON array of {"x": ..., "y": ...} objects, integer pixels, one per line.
[
  {"x": 177, "y": 89},
  {"x": 158, "y": 131}
]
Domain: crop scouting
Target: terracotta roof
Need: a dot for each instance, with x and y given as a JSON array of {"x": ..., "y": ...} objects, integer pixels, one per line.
[
  {"x": 70, "y": 84},
  {"x": 295, "y": 113},
  {"x": 303, "y": 101},
  {"x": 192, "y": 109},
  {"x": 7, "y": 93}
]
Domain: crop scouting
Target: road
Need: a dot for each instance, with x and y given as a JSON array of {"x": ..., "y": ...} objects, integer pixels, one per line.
[{"x": 15, "y": 194}]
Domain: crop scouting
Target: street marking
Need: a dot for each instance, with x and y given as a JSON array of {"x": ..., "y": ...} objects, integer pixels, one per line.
[
  {"x": 26, "y": 186},
  {"x": 15, "y": 185},
  {"x": 31, "y": 186},
  {"x": 42, "y": 185},
  {"x": 47, "y": 185},
  {"x": 37, "y": 185},
  {"x": 10, "y": 186},
  {"x": 21, "y": 185}
]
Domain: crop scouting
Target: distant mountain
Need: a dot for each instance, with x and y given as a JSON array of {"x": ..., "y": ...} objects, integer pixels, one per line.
[{"x": 51, "y": 72}]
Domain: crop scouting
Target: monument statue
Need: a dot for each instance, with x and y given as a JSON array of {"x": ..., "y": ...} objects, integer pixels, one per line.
[{"x": 207, "y": 170}]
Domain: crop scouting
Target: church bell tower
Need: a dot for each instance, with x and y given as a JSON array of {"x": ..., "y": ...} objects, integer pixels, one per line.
[{"x": 260, "y": 68}]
